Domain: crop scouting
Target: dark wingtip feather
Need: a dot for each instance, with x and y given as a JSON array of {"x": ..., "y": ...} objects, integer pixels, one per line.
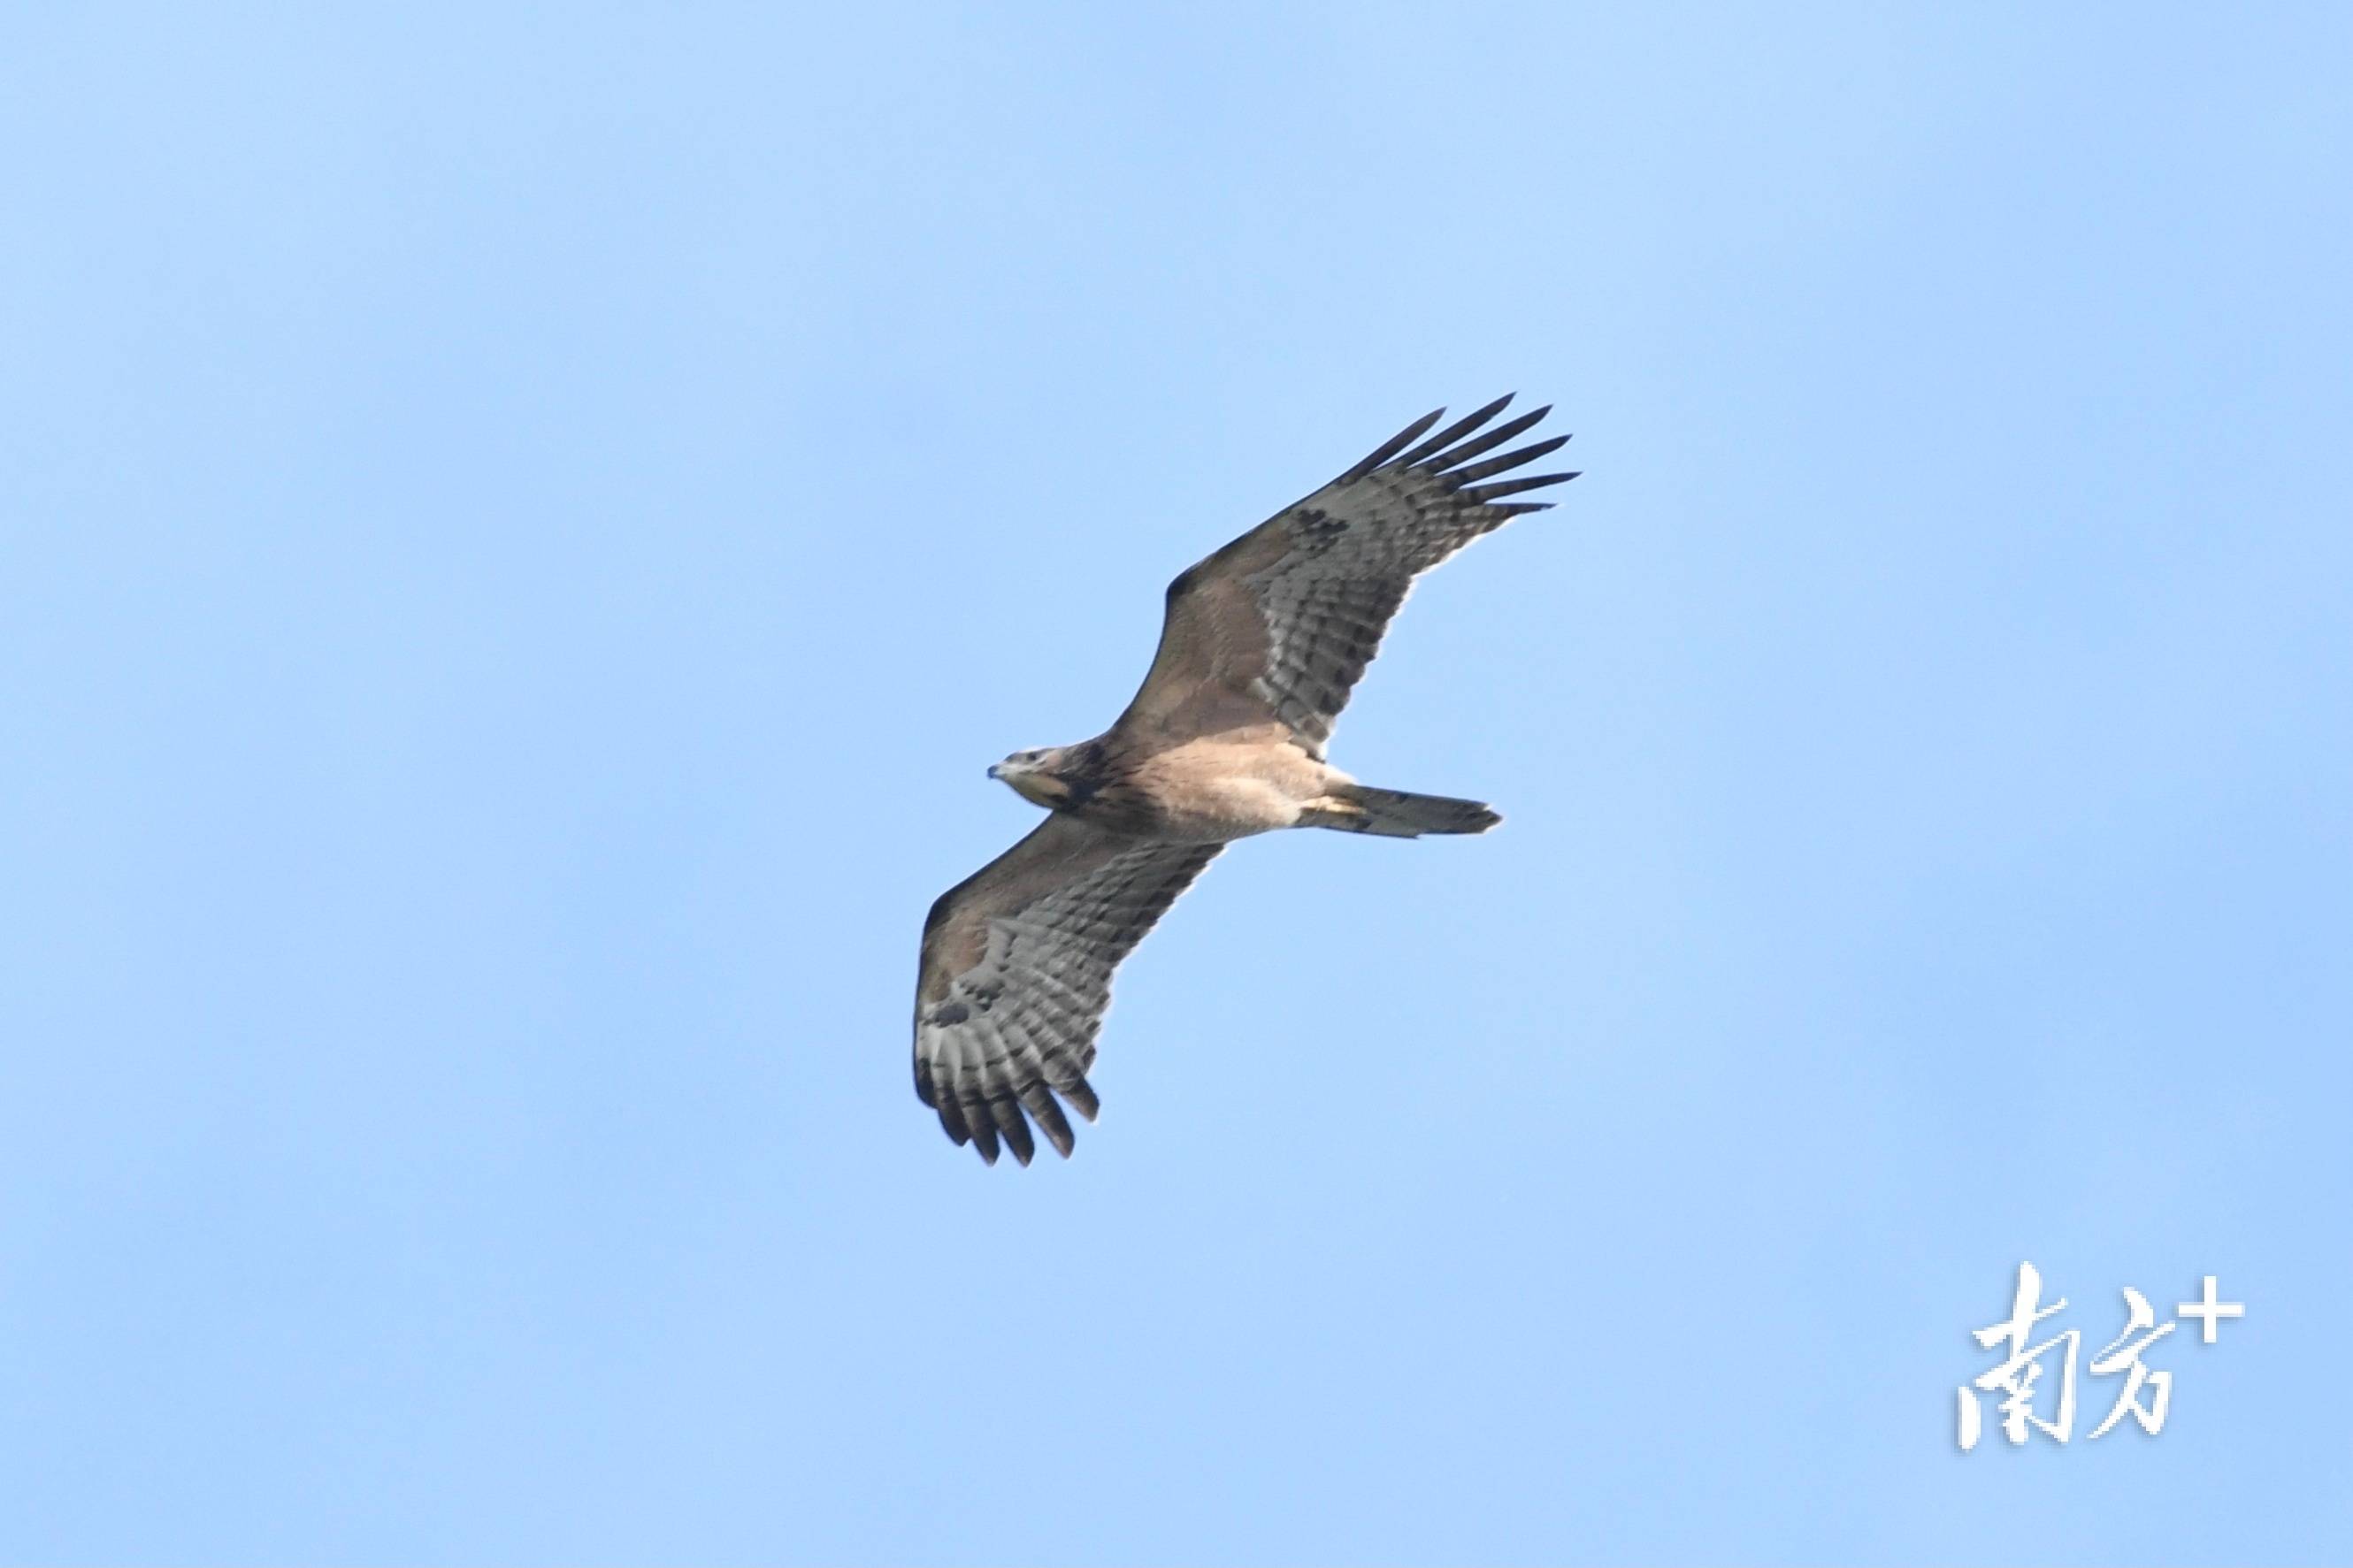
[
  {"x": 1016, "y": 1131},
  {"x": 1471, "y": 473},
  {"x": 1082, "y": 1096},
  {"x": 1039, "y": 1101},
  {"x": 1390, "y": 447},
  {"x": 1450, "y": 462},
  {"x": 1456, "y": 431},
  {"x": 1513, "y": 487},
  {"x": 984, "y": 1136}
]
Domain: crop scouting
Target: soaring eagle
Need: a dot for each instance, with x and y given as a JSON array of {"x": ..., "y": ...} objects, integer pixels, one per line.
[{"x": 1262, "y": 644}]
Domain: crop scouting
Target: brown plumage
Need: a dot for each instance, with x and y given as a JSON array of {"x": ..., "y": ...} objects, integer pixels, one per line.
[{"x": 1262, "y": 643}]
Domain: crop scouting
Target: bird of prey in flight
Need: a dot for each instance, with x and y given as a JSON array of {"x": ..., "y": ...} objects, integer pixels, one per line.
[{"x": 1262, "y": 644}]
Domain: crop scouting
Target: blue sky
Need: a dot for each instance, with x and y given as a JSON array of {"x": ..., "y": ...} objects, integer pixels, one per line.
[{"x": 520, "y": 528}]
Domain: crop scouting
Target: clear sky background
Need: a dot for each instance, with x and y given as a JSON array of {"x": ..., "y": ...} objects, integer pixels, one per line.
[{"x": 520, "y": 529}]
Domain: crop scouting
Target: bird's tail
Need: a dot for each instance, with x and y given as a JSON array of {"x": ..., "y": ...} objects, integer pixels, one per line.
[{"x": 1394, "y": 813}]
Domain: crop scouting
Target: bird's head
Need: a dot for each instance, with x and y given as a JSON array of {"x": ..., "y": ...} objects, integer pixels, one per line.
[{"x": 1039, "y": 777}]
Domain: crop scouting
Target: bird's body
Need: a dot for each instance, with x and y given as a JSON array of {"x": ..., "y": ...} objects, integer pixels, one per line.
[
  {"x": 1206, "y": 789},
  {"x": 1217, "y": 788},
  {"x": 1262, "y": 644}
]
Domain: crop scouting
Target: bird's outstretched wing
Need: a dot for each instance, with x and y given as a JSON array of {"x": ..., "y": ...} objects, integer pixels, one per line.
[
  {"x": 1016, "y": 973},
  {"x": 1279, "y": 624}
]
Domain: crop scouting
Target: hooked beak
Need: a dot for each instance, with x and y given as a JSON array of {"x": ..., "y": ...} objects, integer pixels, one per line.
[{"x": 1031, "y": 782}]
